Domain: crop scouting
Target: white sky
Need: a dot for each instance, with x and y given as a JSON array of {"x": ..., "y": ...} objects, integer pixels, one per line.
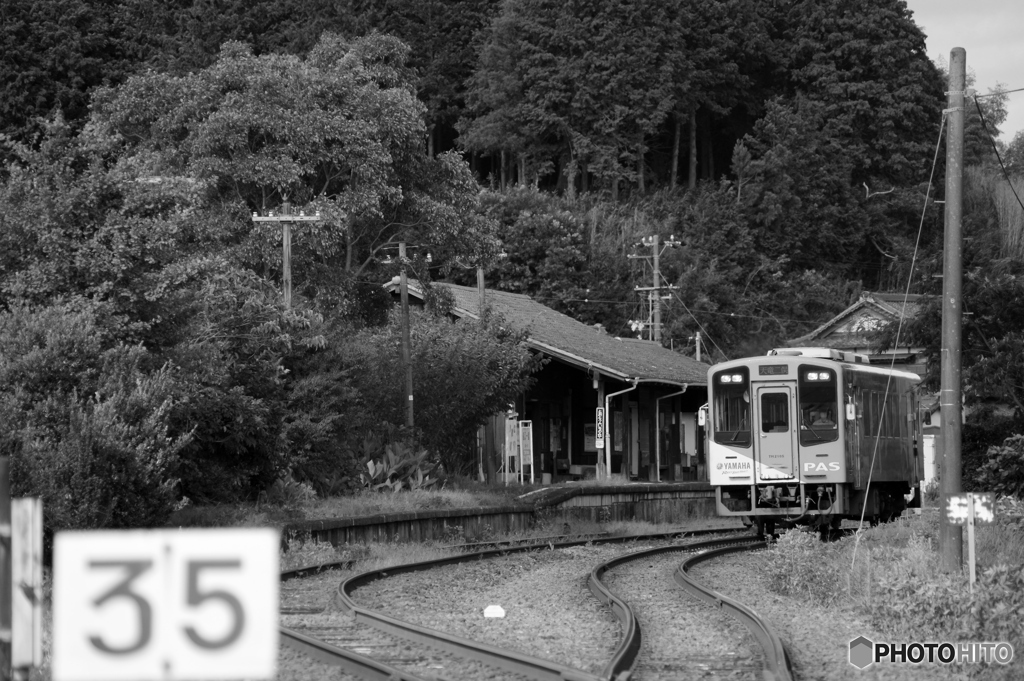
[{"x": 992, "y": 32}]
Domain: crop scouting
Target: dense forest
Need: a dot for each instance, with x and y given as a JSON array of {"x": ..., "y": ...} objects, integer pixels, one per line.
[{"x": 794, "y": 149}]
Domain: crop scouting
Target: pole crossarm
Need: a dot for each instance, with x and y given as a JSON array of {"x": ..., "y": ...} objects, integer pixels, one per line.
[
  {"x": 285, "y": 219},
  {"x": 657, "y": 246}
]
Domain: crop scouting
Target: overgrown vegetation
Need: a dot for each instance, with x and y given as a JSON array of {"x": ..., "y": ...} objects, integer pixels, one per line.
[
  {"x": 892, "y": 577},
  {"x": 1003, "y": 471}
]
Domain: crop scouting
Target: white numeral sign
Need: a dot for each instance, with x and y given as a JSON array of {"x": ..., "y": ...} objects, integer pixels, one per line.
[{"x": 165, "y": 605}]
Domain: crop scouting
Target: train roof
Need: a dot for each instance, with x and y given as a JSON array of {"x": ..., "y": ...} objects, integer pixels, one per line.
[
  {"x": 823, "y": 353},
  {"x": 855, "y": 361}
]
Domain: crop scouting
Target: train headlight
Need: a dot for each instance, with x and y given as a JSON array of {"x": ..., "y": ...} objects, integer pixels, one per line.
[{"x": 732, "y": 378}]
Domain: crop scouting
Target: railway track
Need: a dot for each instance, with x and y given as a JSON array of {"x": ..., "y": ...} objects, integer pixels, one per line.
[
  {"x": 645, "y": 578},
  {"x": 680, "y": 638},
  {"x": 777, "y": 663},
  {"x": 368, "y": 643}
]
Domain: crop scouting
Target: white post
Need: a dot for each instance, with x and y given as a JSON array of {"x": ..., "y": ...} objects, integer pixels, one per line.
[
  {"x": 970, "y": 537},
  {"x": 608, "y": 440},
  {"x": 27, "y": 576}
]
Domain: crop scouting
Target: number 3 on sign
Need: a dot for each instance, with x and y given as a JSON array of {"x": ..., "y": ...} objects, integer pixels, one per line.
[{"x": 165, "y": 605}]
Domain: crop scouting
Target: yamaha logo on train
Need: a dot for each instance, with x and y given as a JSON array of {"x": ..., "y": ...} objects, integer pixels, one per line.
[{"x": 734, "y": 465}]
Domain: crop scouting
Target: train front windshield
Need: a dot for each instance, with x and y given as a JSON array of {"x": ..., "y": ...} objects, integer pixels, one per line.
[
  {"x": 732, "y": 407},
  {"x": 819, "y": 408}
]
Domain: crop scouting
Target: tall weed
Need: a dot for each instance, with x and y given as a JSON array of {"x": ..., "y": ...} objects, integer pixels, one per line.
[
  {"x": 803, "y": 567},
  {"x": 896, "y": 580}
]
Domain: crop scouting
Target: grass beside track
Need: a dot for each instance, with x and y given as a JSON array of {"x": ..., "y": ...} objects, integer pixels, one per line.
[
  {"x": 456, "y": 495},
  {"x": 453, "y": 493},
  {"x": 892, "y": 576}
]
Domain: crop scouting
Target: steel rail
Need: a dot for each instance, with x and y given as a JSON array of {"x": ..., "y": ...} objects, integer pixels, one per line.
[
  {"x": 628, "y": 650},
  {"x": 352, "y": 662},
  {"x": 778, "y": 666},
  {"x": 530, "y": 666}
]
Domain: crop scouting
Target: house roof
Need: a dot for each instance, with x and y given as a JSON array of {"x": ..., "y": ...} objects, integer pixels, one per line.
[
  {"x": 855, "y": 326},
  {"x": 574, "y": 342}
]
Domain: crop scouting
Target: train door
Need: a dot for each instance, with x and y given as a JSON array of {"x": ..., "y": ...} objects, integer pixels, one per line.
[{"x": 776, "y": 441}]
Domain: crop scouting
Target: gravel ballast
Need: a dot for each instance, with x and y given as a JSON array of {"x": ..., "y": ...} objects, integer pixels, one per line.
[
  {"x": 550, "y": 613},
  {"x": 682, "y": 637},
  {"x": 818, "y": 638}
]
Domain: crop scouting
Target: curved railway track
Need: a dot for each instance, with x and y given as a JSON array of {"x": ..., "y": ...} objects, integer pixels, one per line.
[
  {"x": 777, "y": 664},
  {"x": 349, "y": 645}
]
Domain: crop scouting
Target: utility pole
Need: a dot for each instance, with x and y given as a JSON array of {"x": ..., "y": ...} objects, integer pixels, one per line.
[
  {"x": 950, "y": 405},
  {"x": 481, "y": 291},
  {"x": 286, "y": 219},
  {"x": 653, "y": 323},
  {"x": 655, "y": 292}
]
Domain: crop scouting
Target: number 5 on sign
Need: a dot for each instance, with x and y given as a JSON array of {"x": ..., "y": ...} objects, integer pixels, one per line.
[{"x": 165, "y": 605}]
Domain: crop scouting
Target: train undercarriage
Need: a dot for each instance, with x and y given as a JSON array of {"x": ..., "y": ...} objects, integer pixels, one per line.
[{"x": 821, "y": 506}]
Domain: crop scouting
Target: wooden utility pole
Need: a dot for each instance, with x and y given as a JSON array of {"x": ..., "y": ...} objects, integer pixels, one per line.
[
  {"x": 481, "y": 291},
  {"x": 656, "y": 290},
  {"x": 950, "y": 405},
  {"x": 286, "y": 219},
  {"x": 657, "y": 247}
]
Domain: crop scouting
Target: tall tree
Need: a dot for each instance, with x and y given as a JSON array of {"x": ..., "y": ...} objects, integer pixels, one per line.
[
  {"x": 865, "y": 62},
  {"x": 577, "y": 86},
  {"x": 339, "y": 132},
  {"x": 992, "y": 300},
  {"x": 802, "y": 199},
  {"x": 443, "y": 41},
  {"x": 1013, "y": 157},
  {"x": 54, "y": 53}
]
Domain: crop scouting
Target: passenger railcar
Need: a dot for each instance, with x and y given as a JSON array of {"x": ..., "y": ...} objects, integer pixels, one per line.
[{"x": 796, "y": 436}]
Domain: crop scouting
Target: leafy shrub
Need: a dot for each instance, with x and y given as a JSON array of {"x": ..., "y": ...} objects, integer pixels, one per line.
[
  {"x": 997, "y": 608},
  {"x": 233, "y": 368},
  {"x": 400, "y": 466},
  {"x": 908, "y": 605},
  {"x": 997, "y": 614},
  {"x": 107, "y": 461},
  {"x": 89, "y": 430},
  {"x": 801, "y": 566},
  {"x": 941, "y": 607},
  {"x": 980, "y": 434},
  {"x": 289, "y": 492},
  {"x": 1003, "y": 471},
  {"x": 463, "y": 373},
  {"x": 325, "y": 419}
]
